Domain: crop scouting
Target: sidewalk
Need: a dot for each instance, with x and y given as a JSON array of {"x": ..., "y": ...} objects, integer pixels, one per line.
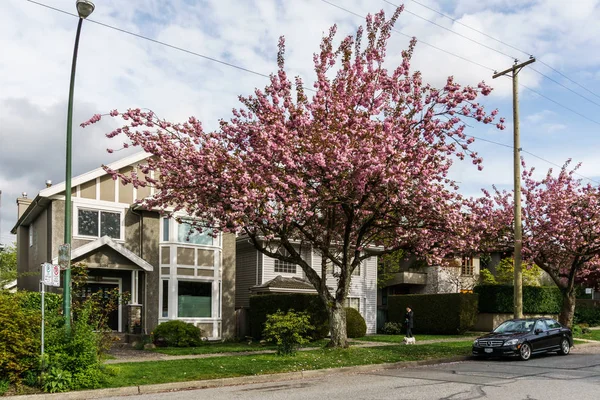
[{"x": 133, "y": 356}]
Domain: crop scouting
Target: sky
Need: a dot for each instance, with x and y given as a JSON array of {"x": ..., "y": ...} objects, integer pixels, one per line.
[{"x": 118, "y": 70}]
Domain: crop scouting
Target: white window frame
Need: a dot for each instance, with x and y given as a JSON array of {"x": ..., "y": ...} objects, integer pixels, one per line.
[
  {"x": 174, "y": 234},
  {"x": 99, "y": 209}
]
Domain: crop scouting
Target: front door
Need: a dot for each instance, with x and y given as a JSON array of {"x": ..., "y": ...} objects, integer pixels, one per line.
[
  {"x": 540, "y": 340},
  {"x": 105, "y": 288}
]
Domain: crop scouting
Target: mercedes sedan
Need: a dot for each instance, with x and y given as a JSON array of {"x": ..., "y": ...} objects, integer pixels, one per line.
[{"x": 523, "y": 338}]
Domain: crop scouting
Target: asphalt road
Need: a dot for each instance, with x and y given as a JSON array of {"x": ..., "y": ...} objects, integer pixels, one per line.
[{"x": 574, "y": 377}]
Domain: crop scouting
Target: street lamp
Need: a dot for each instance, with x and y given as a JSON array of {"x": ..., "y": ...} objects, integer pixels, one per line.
[{"x": 84, "y": 9}]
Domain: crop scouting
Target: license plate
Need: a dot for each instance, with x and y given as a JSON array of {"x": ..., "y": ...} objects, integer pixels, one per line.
[{"x": 488, "y": 350}]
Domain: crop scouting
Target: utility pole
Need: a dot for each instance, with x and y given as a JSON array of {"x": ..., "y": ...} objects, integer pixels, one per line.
[{"x": 518, "y": 272}]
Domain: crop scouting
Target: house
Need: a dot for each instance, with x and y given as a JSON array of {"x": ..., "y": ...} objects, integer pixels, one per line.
[
  {"x": 415, "y": 277},
  {"x": 169, "y": 273},
  {"x": 257, "y": 273}
]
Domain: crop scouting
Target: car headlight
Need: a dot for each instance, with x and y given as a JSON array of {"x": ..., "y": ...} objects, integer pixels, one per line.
[
  {"x": 511, "y": 342},
  {"x": 475, "y": 342}
]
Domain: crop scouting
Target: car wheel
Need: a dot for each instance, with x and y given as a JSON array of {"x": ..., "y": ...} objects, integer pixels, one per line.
[
  {"x": 565, "y": 347},
  {"x": 525, "y": 352}
]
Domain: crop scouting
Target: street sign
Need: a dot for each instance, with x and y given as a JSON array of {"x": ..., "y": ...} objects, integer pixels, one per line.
[
  {"x": 50, "y": 275},
  {"x": 64, "y": 255},
  {"x": 588, "y": 290}
]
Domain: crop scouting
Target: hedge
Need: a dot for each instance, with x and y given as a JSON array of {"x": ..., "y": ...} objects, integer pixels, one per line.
[
  {"x": 262, "y": 305},
  {"x": 356, "y": 327},
  {"x": 536, "y": 299},
  {"x": 450, "y": 313}
]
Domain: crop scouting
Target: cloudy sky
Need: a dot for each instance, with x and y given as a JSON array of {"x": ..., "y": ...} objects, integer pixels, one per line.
[{"x": 117, "y": 70}]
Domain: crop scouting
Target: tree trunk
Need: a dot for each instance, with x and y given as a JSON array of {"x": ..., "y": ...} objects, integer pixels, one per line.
[
  {"x": 337, "y": 326},
  {"x": 568, "y": 308}
]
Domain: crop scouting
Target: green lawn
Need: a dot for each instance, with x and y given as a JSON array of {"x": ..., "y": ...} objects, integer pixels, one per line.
[
  {"x": 400, "y": 338},
  {"x": 592, "y": 335},
  {"x": 143, "y": 373},
  {"x": 228, "y": 347}
]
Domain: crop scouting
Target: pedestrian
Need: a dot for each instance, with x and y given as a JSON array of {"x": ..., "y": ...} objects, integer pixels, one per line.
[{"x": 408, "y": 321}]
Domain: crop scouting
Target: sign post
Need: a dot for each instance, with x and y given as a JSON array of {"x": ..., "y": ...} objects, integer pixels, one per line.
[{"x": 50, "y": 277}]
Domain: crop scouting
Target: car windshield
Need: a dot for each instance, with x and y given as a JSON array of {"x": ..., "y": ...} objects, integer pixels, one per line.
[{"x": 514, "y": 327}]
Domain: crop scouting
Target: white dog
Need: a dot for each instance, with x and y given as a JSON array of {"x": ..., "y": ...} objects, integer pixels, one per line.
[{"x": 409, "y": 340}]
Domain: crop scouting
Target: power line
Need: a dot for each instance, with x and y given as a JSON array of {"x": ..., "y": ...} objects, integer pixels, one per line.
[
  {"x": 420, "y": 41},
  {"x": 565, "y": 87},
  {"x": 475, "y": 63},
  {"x": 505, "y": 44},
  {"x": 155, "y": 41},
  {"x": 533, "y": 155},
  {"x": 497, "y": 51},
  {"x": 452, "y": 31},
  {"x": 559, "y": 104}
]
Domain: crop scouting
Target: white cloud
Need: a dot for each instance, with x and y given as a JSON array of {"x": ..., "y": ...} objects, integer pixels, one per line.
[{"x": 116, "y": 70}]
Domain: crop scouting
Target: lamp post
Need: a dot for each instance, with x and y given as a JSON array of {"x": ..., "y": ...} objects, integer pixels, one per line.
[{"x": 84, "y": 9}]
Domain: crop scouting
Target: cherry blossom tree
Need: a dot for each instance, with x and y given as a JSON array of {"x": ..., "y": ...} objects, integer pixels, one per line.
[
  {"x": 359, "y": 166},
  {"x": 561, "y": 228}
]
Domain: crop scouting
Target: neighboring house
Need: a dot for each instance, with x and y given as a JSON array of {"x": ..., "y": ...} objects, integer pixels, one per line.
[
  {"x": 169, "y": 274},
  {"x": 257, "y": 273},
  {"x": 412, "y": 278}
]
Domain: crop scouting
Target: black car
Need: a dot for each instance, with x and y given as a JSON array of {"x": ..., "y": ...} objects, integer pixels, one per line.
[{"x": 524, "y": 337}]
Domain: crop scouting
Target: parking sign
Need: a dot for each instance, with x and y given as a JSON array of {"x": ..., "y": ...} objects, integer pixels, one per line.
[{"x": 50, "y": 274}]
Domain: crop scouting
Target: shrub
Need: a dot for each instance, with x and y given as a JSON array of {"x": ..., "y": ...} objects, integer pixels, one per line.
[
  {"x": 449, "y": 313},
  {"x": 264, "y": 304},
  {"x": 287, "y": 330},
  {"x": 177, "y": 334},
  {"x": 19, "y": 336},
  {"x": 356, "y": 326},
  {"x": 486, "y": 277},
  {"x": 73, "y": 360},
  {"x": 4, "y": 386},
  {"x": 392, "y": 328},
  {"x": 588, "y": 315},
  {"x": 536, "y": 300}
]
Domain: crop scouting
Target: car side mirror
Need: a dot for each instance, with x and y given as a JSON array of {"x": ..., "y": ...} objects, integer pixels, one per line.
[{"x": 538, "y": 331}]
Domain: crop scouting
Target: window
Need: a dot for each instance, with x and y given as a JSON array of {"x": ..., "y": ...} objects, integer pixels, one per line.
[
  {"x": 352, "y": 302},
  {"x": 194, "y": 299},
  {"x": 165, "y": 298},
  {"x": 552, "y": 324},
  {"x": 165, "y": 229},
  {"x": 30, "y": 235},
  {"x": 467, "y": 266},
  {"x": 188, "y": 234},
  {"x": 99, "y": 223},
  {"x": 541, "y": 325},
  {"x": 285, "y": 267}
]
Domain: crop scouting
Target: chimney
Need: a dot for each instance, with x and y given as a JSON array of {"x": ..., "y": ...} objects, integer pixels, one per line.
[
  {"x": 22, "y": 203},
  {"x": 48, "y": 183}
]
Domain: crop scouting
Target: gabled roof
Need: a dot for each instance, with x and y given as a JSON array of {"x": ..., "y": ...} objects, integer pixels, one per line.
[
  {"x": 91, "y": 175},
  {"x": 107, "y": 241},
  {"x": 41, "y": 201}
]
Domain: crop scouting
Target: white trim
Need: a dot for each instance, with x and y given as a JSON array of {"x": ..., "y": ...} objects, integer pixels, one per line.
[
  {"x": 105, "y": 240},
  {"x": 97, "y": 188},
  {"x": 88, "y": 176},
  {"x": 100, "y": 207}
]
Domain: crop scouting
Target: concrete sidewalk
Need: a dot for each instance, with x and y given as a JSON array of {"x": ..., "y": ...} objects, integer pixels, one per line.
[{"x": 134, "y": 356}]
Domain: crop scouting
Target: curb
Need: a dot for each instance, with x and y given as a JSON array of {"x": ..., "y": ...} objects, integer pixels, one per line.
[{"x": 241, "y": 380}]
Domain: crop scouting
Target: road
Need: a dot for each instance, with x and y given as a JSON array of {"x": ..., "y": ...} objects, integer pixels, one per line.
[{"x": 576, "y": 376}]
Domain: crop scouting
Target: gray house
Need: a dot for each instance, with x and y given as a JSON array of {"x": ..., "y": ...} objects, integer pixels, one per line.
[
  {"x": 257, "y": 273},
  {"x": 169, "y": 273}
]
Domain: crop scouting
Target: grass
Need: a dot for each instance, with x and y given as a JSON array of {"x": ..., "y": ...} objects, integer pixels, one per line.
[
  {"x": 592, "y": 335},
  {"x": 143, "y": 373},
  {"x": 228, "y": 347},
  {"x": 400, "y": 338}
]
